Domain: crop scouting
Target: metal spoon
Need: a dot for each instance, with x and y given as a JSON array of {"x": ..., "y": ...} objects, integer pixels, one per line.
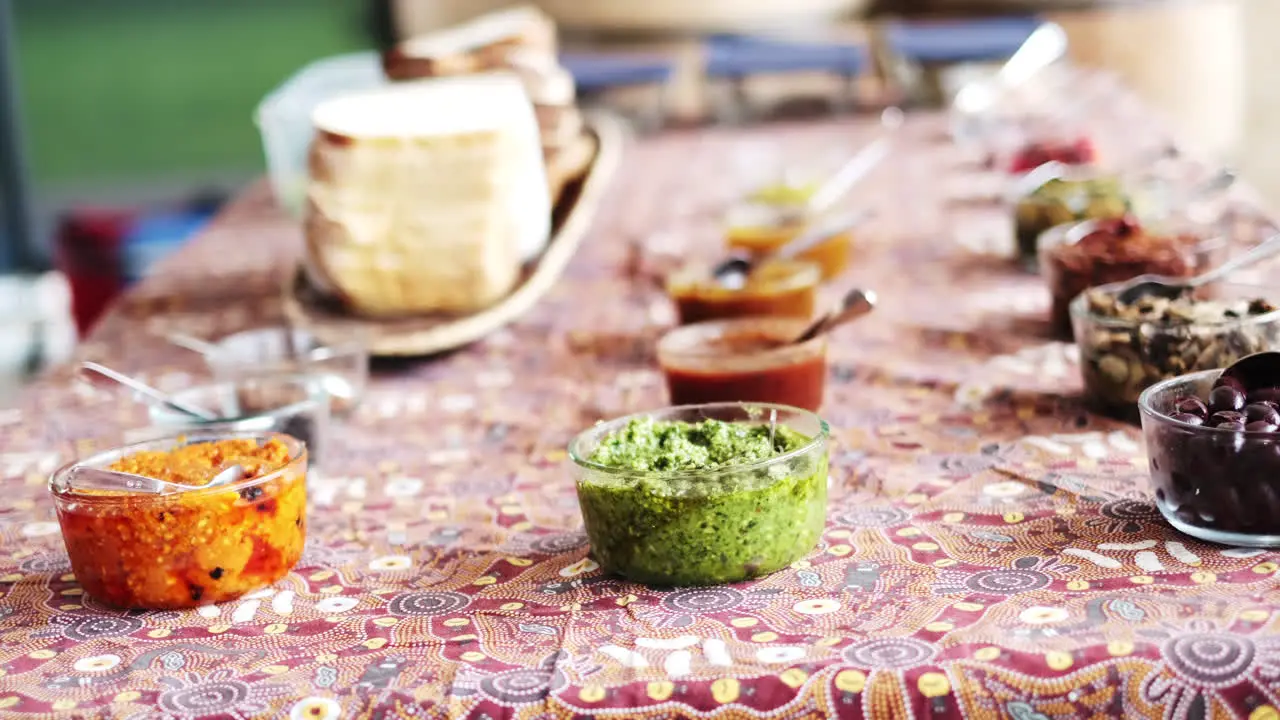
[
  {"x": 91, "y": 478},
  {"x": 192, "y": 343},
  {"x": 1171, "y": 288},
  {"x": 1041, "y": 49},
  {"x": 854, "y": 305},
  {"x": 1256, "y": 375},
  {"x": 147, "y": 391},
  {"x": 863, "y": 162},
  {"x": 733, "y": 271},
  {"x": 1220, "y": 181}
]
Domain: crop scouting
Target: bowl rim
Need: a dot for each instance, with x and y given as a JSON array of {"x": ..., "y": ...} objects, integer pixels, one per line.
[
  {"x": 1079, "y": 308},
  {"x": 1027, "y": 184},
  {"x": 298, "y": 456},
  {"x": 813, "y": 346},
  {"x": 694, "y": 279},
  {"x": 1147, "y": 410},
  {"x": 317, "y": 399},
  {"x": 819, "y": 440},
  {"x": 323, "y": 350}
]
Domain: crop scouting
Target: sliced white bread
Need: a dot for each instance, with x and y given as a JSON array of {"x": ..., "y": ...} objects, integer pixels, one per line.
[{"x": 426, "y": 196}]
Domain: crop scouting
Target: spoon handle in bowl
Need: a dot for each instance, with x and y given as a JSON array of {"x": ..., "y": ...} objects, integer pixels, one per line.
[
  {"x": 92, "y": 478},
  {"x": 148, "y": 391},
  {"x": 1042, "y": 48},
  {"x": 820, "y": 233},
  {"x": 1259, "y": 252},
  {"x": 192, "y": 343}
]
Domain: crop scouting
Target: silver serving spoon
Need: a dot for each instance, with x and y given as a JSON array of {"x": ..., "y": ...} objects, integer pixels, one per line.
[
  {"x": 733, "y": 271},
  {"x": 1041, "y": 49},
  {"x": 1166, "y": 287},
  {"x": 857, "y": 167},
  {"x": 192, "y": 343},
  {"x": 1255, "y": 375},
  {"x": 1220, "y": 181},
  {"x": 90, "y": 478},
  {"x": 147, "y": 391},
  {"x": 854, "y": 305}
]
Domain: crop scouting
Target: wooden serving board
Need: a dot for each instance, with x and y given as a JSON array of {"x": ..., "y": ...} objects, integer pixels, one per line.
[{"x": 429, "y": 334}]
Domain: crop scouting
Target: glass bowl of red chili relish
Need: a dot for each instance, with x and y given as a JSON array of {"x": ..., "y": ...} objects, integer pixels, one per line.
[
  {"x": 189, "y": 545},
  {"x": 744, "y": 360}
]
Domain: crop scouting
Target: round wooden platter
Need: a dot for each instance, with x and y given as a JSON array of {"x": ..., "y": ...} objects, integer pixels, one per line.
[{"x": 430, "y": 334}]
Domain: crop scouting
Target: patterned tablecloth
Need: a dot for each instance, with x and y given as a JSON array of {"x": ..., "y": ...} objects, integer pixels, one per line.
[{"x": 991, "y": 549}]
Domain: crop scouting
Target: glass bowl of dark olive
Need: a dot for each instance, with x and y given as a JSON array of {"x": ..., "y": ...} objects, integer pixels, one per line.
[
  {"x": 1214, "y": 454},
  {"x": 1127, "y": 347},
  {"x": 700, "y": 495}
]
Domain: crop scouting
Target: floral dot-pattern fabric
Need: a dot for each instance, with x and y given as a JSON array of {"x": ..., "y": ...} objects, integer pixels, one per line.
[{"x": 991, "y": 549}]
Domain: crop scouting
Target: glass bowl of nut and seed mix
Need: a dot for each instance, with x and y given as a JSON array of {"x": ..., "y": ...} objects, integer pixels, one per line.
[{"x": 1127, "y": 347}]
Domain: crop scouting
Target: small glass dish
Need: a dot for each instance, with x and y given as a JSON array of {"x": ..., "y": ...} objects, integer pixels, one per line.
[
  {"x": 200, "y": 546},
  {"x": 296, "y": 405},
  {"x": 759, "y": 228},
  {"x": 706, "y": 527},
  {"x": 343, "y": 368},
  {"x": 1121, "y": 356},
  {"x": 1056, "y": 194},
  {"x": 1214, "y": 484},
  {"x": 1077, "y": 256},
  {"x": 744, "y": 360},
  {"x": 786, "y": 288}
]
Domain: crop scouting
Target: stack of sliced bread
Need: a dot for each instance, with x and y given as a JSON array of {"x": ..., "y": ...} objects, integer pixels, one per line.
[
  {"x": 520, "y": 39},
  {"x": 426, "y": 196}
]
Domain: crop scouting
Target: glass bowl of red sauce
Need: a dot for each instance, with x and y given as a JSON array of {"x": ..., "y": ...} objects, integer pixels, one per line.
[{"x": 750, "y": 359}]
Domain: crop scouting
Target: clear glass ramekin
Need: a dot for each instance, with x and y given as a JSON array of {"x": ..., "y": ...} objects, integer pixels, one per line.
[
  {"x": 188, "y": 548},
  {"x": 1215, "y": 484},
  {"x": 706, "y": 527},
  {"x": 1119, "y": 358}
]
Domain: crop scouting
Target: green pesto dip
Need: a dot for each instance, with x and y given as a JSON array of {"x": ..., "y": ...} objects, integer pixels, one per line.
[{"x": 677, "y": 513}]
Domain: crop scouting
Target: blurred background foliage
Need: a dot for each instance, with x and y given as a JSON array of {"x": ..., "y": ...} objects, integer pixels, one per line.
[{"x": 120, "y": 91}]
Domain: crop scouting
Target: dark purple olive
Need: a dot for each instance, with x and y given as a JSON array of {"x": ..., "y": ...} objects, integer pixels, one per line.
[
  {"x": 1237, "y": 425},
  {"x": 1270, "y": 394},
  {"x": 1228, "y": 381},
  {"x": 1188, "y": 418},
  {"x": 1261, "y": 426},
  {"x": 1261, "y": 411},
  {"x": 1226, "y": 397},
  {"x": 1191, "y": 406},
  {"x": 1227, "y": 416}
]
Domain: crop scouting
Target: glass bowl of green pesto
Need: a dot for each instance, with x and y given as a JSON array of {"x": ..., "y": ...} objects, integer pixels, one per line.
[{"x": 703, "y": 494}]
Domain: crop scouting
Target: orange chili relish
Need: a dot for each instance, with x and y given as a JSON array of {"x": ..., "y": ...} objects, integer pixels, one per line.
[
  {"x": 198, "y": 463},
  {"x": 195, "y": 547}
]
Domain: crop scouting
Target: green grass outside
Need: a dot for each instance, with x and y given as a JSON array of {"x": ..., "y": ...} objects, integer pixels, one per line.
[{"x": 126, "y": 90}]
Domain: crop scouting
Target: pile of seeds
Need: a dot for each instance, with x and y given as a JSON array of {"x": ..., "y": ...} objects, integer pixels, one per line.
[{"x": 1159, "y": 338}]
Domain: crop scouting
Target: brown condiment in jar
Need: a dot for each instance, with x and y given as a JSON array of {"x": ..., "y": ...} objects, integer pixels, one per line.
[
  {"x": 781, "y": 288},
  {"x": 744, "y": 360},
  {"x": 1109, "y": 252}
]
